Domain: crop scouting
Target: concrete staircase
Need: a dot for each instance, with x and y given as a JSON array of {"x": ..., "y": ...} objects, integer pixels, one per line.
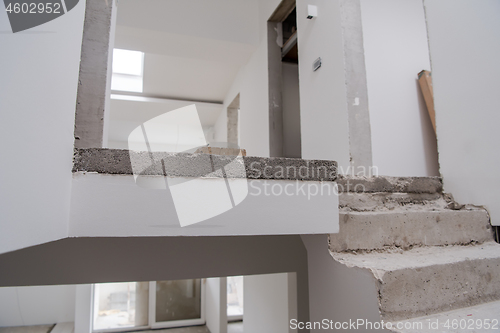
[{"x": 428, "y": 255}]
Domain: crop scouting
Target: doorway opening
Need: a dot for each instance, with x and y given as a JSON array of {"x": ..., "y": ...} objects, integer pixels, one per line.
[
  {"x": 284, "y": 89},
  {"x": 233, "y": 111},
  {"x": 213, "y": 303}
]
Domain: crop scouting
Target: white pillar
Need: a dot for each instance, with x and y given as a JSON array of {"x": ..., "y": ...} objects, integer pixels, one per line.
[
  {"x": 216, "y": 304},
  {"x": 83, "y": 308}
]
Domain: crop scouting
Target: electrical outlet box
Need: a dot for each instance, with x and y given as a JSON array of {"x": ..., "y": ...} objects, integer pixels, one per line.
[
  {"x": 312, "y": 11},
  {"x": 316, "y": 64}
]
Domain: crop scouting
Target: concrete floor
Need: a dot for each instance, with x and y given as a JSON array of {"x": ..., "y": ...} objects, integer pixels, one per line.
[
  {"x": 28, "y": 329},
  {"x": 472, "y": 319},
  {"x": 236, "y": 327}
]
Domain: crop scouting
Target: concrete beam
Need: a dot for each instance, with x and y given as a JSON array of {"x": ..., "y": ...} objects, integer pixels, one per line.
[
  {"x": 275, "y": 92},
  {"x": 360, "y": 145},
  {"x": 116, "y": 161},
  {"x": 232, "y": 126},
  {"x": 93, "y": 80}
]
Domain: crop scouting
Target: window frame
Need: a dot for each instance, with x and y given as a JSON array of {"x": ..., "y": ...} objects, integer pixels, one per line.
[{"x": 152, "y": 324}]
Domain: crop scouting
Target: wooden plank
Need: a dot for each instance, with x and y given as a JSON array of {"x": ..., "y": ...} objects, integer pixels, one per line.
[
  {"x": 292, "y": 56},
  {"x": 282, "y": 11},
  {"x": 425, "y": 81},
  {"x": 290, "y": 43}
]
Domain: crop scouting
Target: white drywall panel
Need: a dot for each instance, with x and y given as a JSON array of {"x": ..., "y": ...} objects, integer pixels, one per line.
[
  {"x": 323, "y": 105},
  {"x": 465, "y": 48},
  {"x": 38, "y": 87},
  {"x": 113, "y": 205},
  {"x": 396, "y": 50}
]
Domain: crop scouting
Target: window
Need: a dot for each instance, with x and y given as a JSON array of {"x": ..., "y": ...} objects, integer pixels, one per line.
[
  {"x": 128, "y": 306},
  {"x": 128, "y": 68}
]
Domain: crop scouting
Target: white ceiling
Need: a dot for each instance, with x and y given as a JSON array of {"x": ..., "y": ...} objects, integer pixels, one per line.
[
  {"x": 194, "y": 48},
  {"x": 225, "y": 20}
]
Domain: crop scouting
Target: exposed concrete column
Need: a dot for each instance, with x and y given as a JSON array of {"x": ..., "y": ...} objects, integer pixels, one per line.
[
  {"x": 93, "y": 83},
  {"x": 232, "y": 126},
  {"x": 275, "y": 89},
  {"x": 360, "y": 145}
]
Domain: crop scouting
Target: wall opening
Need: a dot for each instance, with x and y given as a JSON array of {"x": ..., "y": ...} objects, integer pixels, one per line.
[
  {"x": 284, "y": 92},
  {"x": 233, "y": 111},
  {"x": 215, "y": 302}
]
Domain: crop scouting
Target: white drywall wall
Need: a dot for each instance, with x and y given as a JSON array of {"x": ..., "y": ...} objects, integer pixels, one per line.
[
  {"x": 107, "y": 205},
  {"x": 38, "y": 85},
  {"x": 266, "y": 303},
  {"x": 291, "y": 110},
  {"x": 216, "y": 304},
  {"x": 252, "y": 83},
  {"x": 25, "y": 306},
  {"x": 465, "y": 53},
  {"x": 323, "y": 105},
  {"x": 396, "y": 50}
]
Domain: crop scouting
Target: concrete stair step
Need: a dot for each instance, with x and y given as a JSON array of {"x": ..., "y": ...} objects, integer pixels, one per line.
[
  {"x": 480, "y": 318},
  {"x": 428, "y": 280},
  {"x": 415, "y": 225}
]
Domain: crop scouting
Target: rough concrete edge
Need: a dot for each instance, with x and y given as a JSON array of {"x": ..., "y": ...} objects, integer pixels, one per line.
[
  {"x": 395, "y": 248},
  {"x": 378, "y": 275},
  {"x": 118, "y": 162},
  {"x": 481, "y": 299},
  {"x": 401, "y": 249},
  {"x": 389, "y": 184}
]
